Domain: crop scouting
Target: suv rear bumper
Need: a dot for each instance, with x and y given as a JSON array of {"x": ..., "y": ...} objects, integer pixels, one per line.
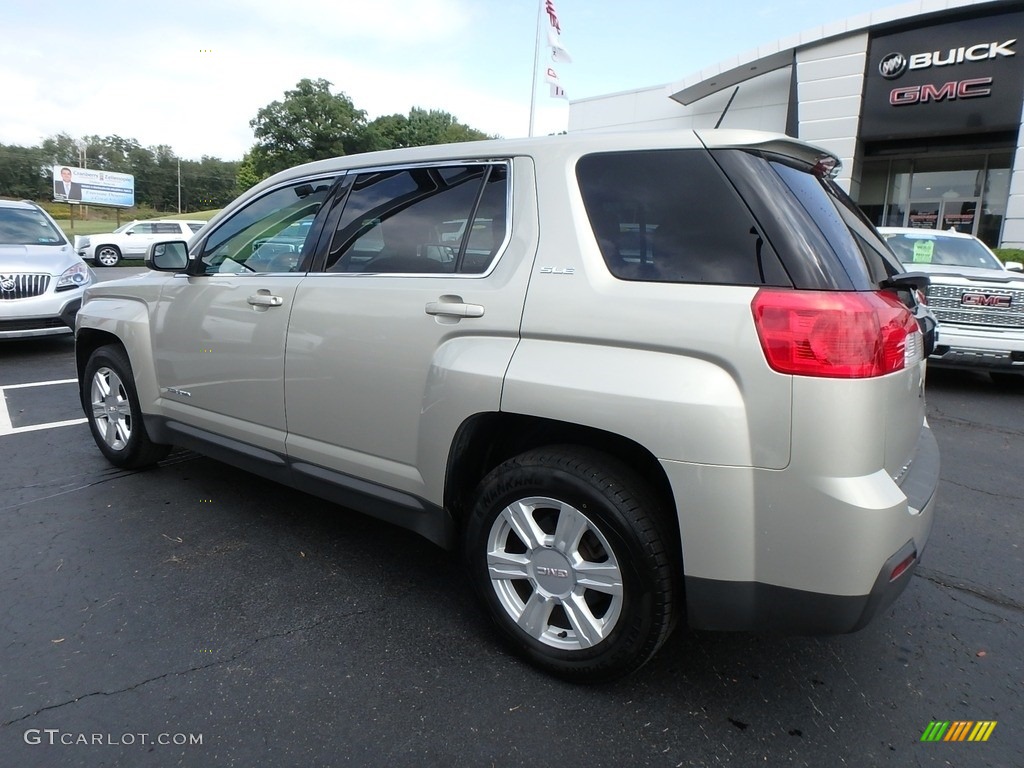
[
  {"x": 750, "y": 606},
  {"x": 873, "y": 567}
]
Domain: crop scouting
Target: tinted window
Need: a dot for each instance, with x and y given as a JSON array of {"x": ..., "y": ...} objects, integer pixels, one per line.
[
  {"x": 195, "y": 227},
  {"x": 164, "y": 228},
  {"x": 672, "y": 216},
  {"x": 856, "y": 243},
  {"x": 821, "y": 237},
  {"x": 142, "y": 229},
  {"x": 270, "y": 234},
  {"x": 422, "y": 220}
]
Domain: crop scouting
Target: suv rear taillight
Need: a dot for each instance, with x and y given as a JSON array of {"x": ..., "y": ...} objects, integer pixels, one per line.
[{"x": 845, "y": 335}]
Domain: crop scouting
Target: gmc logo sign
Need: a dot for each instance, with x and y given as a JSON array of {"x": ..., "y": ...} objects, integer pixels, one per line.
[
  {"x": 996, "y": 300},
  {"x": 951, "y": 91}
]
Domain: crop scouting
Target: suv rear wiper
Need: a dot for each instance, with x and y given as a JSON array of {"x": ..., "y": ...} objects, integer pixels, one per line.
[{"x": 915, "y": 281}]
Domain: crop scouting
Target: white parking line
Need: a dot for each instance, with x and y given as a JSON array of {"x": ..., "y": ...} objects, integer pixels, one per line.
[{"x": 6, "y": 428}]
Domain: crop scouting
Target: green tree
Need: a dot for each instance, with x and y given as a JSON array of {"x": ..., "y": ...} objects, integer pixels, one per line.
[
  {"x": 310, "y": 123},
  {"x": 420, "y": 128},
  {"x": 110, "y": 153},
  {"x": 24, "y": 172},
  {"x": 61, "y": 149},
  {"x": 248, "y": 176},
  {"x": 209, "y": 183}
]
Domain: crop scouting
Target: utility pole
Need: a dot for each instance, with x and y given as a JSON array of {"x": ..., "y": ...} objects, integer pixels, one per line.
[
  {"x": 83, "y": 162},
  {"x": 179, "y": 186}
]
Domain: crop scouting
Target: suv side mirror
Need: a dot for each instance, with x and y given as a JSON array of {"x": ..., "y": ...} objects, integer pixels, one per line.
[
  {"x": 167, "y": 257},
  {"x": 1014, "y": 266}
]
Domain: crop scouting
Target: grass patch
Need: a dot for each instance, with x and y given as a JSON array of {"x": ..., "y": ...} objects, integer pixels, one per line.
[{"x": 1009, "y": 254}]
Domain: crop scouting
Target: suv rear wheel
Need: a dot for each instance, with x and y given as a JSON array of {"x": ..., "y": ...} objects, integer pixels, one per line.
[
  {"x": 107, "y": 256},
  {"x": 112, "y": 406},
  {"x": 564, "y": 546}
]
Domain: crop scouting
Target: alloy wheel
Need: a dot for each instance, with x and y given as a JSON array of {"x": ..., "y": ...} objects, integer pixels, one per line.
[{"x": 554, "y": 573}]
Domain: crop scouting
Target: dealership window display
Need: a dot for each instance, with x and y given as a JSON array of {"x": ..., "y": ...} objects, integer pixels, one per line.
[{"x": 966, "y": 193}]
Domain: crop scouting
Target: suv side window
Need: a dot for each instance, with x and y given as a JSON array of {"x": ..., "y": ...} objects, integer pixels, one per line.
[
  {"x": 143, "y": 228},
  {"x": 270, "y": 234},
  {"x": 448, "y": 219},
  {"x": 672, "y": 216},
  {"x": 165, "y": 228}
]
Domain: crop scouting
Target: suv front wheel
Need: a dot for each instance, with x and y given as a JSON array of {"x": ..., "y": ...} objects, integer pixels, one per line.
[
  {"x": 565, "y": 547},
  {"x": 112, "y": 407}
]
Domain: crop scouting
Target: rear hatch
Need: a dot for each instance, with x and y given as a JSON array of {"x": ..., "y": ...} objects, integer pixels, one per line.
[{"x": 828, "y": 246}]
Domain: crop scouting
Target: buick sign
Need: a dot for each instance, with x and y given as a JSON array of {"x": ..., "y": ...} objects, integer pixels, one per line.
[{"x": 962, "y": 77}]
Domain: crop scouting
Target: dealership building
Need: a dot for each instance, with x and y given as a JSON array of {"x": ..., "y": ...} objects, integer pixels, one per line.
[{"x": 922, "y": 102}]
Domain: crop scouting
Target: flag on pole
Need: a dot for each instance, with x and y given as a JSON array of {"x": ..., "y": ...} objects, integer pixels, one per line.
[
  {"x": 559, "y": 55},
  {"x": 549, "y": 8},
  {"x": 558, "y": 52}
]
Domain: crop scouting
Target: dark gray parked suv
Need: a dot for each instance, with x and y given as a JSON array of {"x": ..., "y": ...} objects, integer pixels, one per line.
[{"x": 637, "y": 379}]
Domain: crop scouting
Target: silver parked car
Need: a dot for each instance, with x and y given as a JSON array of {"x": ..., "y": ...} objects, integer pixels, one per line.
[
  {"x": 977, "y": 300},
  {"x": 41, "y": 279},
  {"x": 637, "y": 379}
]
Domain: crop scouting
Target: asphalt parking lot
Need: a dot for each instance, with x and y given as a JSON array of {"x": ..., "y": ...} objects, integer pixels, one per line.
[{"x": 197, "y": 615}]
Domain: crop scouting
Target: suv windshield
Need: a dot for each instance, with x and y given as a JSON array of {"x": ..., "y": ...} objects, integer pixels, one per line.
[
  {"x": 27, "y": 226},
  {"x": 928, "y": 248}
]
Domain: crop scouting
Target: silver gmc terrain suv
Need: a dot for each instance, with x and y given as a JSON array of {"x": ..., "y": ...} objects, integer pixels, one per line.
[{"x": 637, "y": 379}]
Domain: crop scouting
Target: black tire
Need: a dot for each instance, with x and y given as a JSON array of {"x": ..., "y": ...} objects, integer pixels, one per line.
[
  {"x": 581, "y": 632},
  {"x": 112, "y": 408},
  {"x": 1006, "y": 380},
  {"x": 106, "y": 256}
]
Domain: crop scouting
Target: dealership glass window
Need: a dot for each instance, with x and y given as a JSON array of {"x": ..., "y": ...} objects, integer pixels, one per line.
[
  {"x": 947, "y": 178},
  {"x": 883, "y": 192},
  {"x": 963, "y": 192},
  {"x": 994, "y": 197}
]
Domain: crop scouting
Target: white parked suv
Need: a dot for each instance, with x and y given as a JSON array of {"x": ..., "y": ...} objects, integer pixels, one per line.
[
  {"x": 977, "y": 300},
  {"x": 130, "y": 241},
  {"x": 636, "y": 379}
]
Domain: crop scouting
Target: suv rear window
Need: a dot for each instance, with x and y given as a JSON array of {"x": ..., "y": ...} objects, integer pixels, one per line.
[
  {"x": 822, "y": 238},
  {"x": 672, "y": 216}
]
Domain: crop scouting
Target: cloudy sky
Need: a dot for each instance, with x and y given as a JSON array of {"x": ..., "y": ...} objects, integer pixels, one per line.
[{"x": 193, "y": 74}]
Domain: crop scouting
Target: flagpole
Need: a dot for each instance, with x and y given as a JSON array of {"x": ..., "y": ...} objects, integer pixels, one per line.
[{"x": 536, "y": 61}]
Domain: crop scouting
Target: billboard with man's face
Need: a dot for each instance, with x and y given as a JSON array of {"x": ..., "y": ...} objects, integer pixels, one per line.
[{"x": 90, "y": 187}]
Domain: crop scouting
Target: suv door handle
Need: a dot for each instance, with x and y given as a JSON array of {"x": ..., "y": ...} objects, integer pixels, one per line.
[
  {"x": 453, "y": 306},
  {"x": 265, "y": 300}
]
